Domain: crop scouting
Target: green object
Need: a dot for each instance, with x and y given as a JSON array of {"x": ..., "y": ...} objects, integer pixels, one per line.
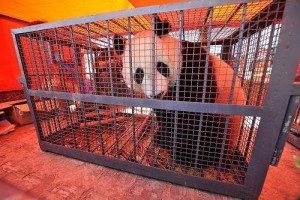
[{"x": 297, "y": 159}]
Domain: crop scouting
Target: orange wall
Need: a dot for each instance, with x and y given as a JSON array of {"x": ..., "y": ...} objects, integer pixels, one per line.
[{"x": 9, "y": 67}]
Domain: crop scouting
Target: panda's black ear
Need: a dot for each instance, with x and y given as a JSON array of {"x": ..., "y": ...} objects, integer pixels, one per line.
[
  {"x": 161, "y": 27},
  {"x": 119, "y": 44}
]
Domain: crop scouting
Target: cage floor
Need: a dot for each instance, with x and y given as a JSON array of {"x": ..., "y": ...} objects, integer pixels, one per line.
[{"x": 103, "y": 140}]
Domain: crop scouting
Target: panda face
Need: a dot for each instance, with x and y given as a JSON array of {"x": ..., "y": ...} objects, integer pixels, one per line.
[{"x": 151, "y": 79}]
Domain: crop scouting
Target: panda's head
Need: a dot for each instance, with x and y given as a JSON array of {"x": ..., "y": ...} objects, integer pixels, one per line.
[{"x": 165, "y": 60}]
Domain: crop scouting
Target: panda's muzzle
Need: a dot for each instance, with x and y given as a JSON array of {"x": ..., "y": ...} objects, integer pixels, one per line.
[{"x": 157, "y": 96}]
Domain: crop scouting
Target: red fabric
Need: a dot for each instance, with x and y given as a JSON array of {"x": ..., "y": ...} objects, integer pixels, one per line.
[{"x": 9, "y": 67}]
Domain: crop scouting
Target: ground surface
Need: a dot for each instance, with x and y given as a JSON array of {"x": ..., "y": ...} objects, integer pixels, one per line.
[{"x": 26, "y": 172}]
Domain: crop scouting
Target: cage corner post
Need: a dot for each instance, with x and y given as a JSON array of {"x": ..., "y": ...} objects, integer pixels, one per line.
[
  {"x": 277, "y": 98},
  {"x": 23, "y": 81}
]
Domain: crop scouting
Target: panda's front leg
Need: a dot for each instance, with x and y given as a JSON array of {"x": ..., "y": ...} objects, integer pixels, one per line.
[{"x": 163, "y": 137}]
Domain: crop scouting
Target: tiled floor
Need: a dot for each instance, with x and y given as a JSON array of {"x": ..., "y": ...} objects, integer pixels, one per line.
[{"x": 28, "y": 173}]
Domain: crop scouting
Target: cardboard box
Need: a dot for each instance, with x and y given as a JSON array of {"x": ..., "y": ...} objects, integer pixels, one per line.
[{"x": 21, "y": 114}]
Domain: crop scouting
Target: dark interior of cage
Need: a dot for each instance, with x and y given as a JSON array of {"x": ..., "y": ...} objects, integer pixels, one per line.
[
  {"x": 295, "y": 129},
  {"x": 81, "y": 59}
]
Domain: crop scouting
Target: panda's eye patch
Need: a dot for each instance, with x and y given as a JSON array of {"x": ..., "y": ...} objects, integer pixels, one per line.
[
  {"x": 163, "y": 69},
  {"x": 139, "y": 75}
]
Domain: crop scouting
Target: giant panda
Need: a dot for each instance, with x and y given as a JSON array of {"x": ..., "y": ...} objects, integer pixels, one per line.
[{"x": 197, "y": 134}]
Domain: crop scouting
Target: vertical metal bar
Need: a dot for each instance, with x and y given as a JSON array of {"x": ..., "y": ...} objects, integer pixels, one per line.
[
  {"x": 42, "y": 64},
  {"x": 253, "y": 67},
  {"x": 56, "y": 118},
  {"x": 39, "y": 82},
  {"x": 94, "y": 83},
  {"x": 112, "y": 87},
  {"x": 131, "y": 86},
  {"x": 233, "y": 51},
  {"x": 246, "y": 59},
  {"x": 86, "y": 129},
  {"x": 285, "y": 130},
  {"x": 75, "y": 59},
  {"x": 266, "y": 64},
  {"x": 46, "y": 83},
  {"x": 177, "y": 87},
  {"x": 69, "y": 51},
  {"x": 96, "y": 75},
  {"x": 22, "y": 64},
  {"x": 242, "y": 85},
  {"x": 153, "y": 68},
  {"x": 237, "y": 59},
  {"x": 61, "y": 74},
  {"x": 297, "y": 115},
  {"x": 40, "y": 86},
  {"x": 62, "y": 58},
  {"x": 49, "y": 52},
  {"x": 51, "y": 84},
  {"x": 91, "y": 55},
  {"x": 253, "y": 64},
  {"x": 204, "y": 83},
  {"x": 261, "y": 83},
  {"x": 45, "y": 57},
  {"x": 250, "y": 136},
  {"x": 100, "y": 130},
  {"x": 239, "y": 47},
  {"x": 34, "y": 61}
]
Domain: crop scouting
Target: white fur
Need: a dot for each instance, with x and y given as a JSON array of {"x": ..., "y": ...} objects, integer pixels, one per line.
[{"x": 166, "y": 50}]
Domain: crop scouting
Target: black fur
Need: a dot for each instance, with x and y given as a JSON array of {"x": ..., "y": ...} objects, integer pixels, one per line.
[
  {"x": 188, "y": 123},
  {"x": 161, "y": 27},
  {"x": 139, "y": 75},
  {"x": 163, "y": 69},
  {"x": 119, "y": 44}
]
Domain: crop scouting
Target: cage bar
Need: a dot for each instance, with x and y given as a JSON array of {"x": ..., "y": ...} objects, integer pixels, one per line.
[
  {"x": 181, "y": 18},
  {"x": 210, "y": 17}
]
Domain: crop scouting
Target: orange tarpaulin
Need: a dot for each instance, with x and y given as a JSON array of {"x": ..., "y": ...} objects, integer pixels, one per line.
[
  {"x": 44, "y": 10},
  {"x": 9, "y": 67}
]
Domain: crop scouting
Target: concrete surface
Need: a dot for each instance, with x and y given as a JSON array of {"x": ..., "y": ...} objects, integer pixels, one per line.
[{"x": 26, "y": 172}]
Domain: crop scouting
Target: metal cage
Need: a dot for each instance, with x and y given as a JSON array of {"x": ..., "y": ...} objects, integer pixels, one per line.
[{"x": 216, "y": 127}]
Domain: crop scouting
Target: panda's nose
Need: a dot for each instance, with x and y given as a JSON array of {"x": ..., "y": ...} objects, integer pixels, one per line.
[{"x": 157, "y": 96}]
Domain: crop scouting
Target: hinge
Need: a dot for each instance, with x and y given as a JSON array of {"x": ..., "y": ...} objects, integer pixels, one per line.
[{"x": 285, "y": 129}]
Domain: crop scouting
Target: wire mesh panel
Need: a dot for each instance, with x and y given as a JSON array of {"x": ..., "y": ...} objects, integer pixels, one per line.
[
  {"x": 177, "y": 90},
  {"x": 83, "y": 54}
]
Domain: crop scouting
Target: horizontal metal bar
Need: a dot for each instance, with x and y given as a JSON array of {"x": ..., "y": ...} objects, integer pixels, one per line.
[
  {"x": 239, "y": 191},
  {"x": 295, "y": 89},
  {"x": 131, "y": 12},
  {"x": 153, "y": 103}
]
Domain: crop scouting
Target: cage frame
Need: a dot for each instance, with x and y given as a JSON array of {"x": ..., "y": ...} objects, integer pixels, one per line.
[{"x": 274, "y": 113}]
